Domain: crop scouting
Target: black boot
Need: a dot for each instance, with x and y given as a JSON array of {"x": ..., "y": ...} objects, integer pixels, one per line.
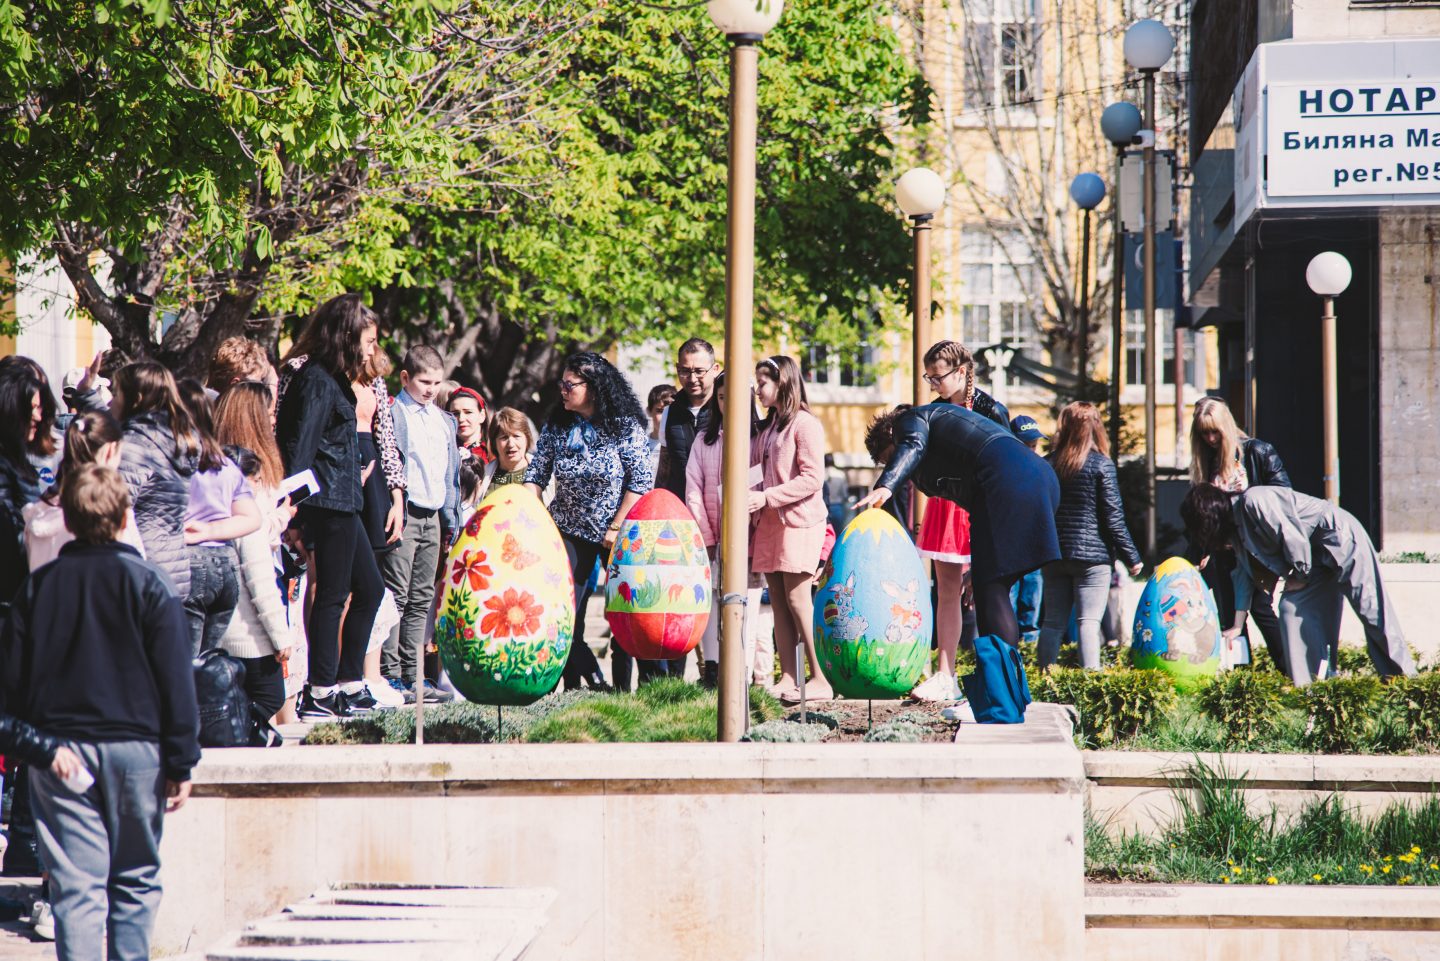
[{"x": 710, "y": 675}]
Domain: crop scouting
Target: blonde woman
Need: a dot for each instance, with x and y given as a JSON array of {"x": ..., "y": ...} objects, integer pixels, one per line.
[
  {"x": 1090, "y": 523},
  {"x": 1221, "y": 454}
]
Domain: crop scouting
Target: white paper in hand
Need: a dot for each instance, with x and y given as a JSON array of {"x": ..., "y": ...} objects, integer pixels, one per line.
[{"x": 305, "y": 480}]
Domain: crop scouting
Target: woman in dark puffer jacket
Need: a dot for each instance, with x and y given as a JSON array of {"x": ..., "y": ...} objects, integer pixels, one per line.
[
  {"x": 1091, "y": 525},
  {"x": 21, "y": 395},
  {"x": 1223, "y": 455},
  {"x": 158, "y": 453}
]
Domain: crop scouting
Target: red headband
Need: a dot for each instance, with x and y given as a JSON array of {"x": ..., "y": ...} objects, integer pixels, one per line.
[{"x": 468, "y": 392}]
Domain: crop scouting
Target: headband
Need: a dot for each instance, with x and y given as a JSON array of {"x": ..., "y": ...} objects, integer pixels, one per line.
[
  {"x": 468, "y": 392},
  {"x": 769, "y": 362}
]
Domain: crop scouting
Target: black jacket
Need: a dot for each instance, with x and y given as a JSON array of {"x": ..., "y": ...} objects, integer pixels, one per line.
[
  {"x": 14, "y": 495},
  {"x": 1090, "y": 519},
  {"x": 29, "y": 744},
  {"x": 987, "y": 406},
  {"x": 1263, "y": 467},
  {"x": 680, "y": 429},
  {"x": 937, "y": 447},
  {"x": 96, "y": 649},
  {"x": 159, "y": 482},
  {"x": 315, "y": 427}
]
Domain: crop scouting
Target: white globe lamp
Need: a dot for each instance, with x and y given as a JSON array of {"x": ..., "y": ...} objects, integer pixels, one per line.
[
  {"x": 920, "y": 193},
  {"x": 745, "y": 18}
]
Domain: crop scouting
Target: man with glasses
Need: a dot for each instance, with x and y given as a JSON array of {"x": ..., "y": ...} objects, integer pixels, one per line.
[{"x": 696, "y": 370}]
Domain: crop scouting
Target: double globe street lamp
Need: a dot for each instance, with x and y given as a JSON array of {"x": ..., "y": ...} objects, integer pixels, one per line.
[
  {"x": 1120, "y": 123},
  {"x": 1148, "y": 47}
]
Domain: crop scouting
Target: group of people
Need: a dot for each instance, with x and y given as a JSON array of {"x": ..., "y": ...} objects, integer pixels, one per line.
[{"x": 297, "y": 520}]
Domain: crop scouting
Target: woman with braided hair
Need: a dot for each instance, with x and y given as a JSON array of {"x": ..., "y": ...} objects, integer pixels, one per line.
[{"x": 945, "y": 529}]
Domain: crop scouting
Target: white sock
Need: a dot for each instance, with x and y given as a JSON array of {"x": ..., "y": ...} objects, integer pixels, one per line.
[
  {"x": 353, "y": 687},
  {"x": 316, "y": 691}
]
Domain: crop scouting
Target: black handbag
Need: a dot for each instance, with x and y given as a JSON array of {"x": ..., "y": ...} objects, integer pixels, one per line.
[{"x": 225, "y": 719}]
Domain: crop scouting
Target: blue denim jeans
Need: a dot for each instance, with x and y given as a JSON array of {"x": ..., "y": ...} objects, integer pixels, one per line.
[
  {"x": 214, "y": 592},
  {"x": 1026, "y": 595}
]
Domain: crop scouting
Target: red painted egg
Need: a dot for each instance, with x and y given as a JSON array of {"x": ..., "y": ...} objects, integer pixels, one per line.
[{"x": 657, "y": 598}]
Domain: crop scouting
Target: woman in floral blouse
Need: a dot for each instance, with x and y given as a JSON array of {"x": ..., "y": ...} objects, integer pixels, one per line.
[{"x": 596, "y": 451}]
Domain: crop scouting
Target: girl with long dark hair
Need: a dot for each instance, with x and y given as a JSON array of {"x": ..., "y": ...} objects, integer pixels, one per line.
[
  {"x": 788, "y": 513},
  {"x": 596, "y": 451},
  {"x": 222, "y": 509},
  {"x": 703, "y": 479},
  {"x": 159, "y": 454},
  {"x": 21, "y": 422},
  {"x": 315, "y": 427},
  {"x": 1090, "y": 523}
]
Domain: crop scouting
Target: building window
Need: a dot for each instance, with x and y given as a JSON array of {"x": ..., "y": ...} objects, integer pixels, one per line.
[
  {"x": 817, "y": 364},
  {"x": 847, "y": 367},
  {"x": 1001, "y": 52},
  {"x": 1135, "y": 352},
  {"x": 999, "y": 285}
]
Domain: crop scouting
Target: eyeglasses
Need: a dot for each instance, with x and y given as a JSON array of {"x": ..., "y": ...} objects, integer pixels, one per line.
[
  {"x": 567, "y": 386},
  {"x": 696, "y": 372},
  {"x": 934, "y": 379}
]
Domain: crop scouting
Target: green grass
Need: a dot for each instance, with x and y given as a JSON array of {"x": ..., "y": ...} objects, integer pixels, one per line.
[
  {"x": 1216, "y": 839},
  {"x": 666, "y": 709}
]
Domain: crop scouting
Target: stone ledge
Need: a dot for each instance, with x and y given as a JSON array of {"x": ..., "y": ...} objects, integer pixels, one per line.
[
  {"x": 1318, "y": 772},
  {"x": 1350, "y": 907}
]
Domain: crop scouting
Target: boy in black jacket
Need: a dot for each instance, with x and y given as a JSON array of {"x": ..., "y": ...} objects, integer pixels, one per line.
[{"x": 96, "y": 652}]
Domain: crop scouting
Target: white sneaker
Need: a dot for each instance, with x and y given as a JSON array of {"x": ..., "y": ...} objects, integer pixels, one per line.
[
  {"x": 937, "y": 687},
  {"x": 383, "y": 693},
  {"x": 43, "y": 921}
]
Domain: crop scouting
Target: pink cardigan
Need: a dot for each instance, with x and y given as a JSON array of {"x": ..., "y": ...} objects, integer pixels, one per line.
[
  {"x": 702, "y": 486},
  {"x": 793, "y": 466}
]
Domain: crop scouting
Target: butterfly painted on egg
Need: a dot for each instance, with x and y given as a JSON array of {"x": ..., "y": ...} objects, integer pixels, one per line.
[{"x": 512, "y": 553}]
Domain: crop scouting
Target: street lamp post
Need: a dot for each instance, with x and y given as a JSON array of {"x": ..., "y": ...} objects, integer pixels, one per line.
[
  {"x": 920, "y": 194},
  {"x": 1120, "y": 122},
  {"x": 1148, "y": 46},
  {"x": 745, "y": 23},
  {"x": 1329, "y": 275},
  {"x": 1087, "y": 190}
]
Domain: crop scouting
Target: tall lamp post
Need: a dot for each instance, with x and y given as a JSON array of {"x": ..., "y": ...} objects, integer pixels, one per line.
[
  {"x": 745, "y": 23},
  {"x": 1329, "y": 275},
  {"x": 920, "y": 194},
  {"x": 1120, "y": 123},
  {"x": 1148, "y": 46},
  {"x": 1087, "y": 190}
]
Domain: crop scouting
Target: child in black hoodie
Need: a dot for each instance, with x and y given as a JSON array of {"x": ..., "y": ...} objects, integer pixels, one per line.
[{"x": 96, "y": 652}]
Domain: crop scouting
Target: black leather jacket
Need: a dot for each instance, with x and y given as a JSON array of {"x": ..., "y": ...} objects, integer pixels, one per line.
[
  {"x": 27, "y": 743},
  {"x": 315, "y": 427},
  {"x": 937, "y": 447},
  {"x": 1090, "y": 520},
  {"x": 1263, "y": 466}
]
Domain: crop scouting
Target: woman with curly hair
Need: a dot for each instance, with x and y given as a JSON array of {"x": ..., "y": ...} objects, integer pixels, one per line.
[
  {"x": 1325, "y": 558},
  {"x": 596, "y": 450}
]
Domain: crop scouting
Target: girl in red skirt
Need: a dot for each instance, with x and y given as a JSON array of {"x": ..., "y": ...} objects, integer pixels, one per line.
[{"x": 945, "y": 529}]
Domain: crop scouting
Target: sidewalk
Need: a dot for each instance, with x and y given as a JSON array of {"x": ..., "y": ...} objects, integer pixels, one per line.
[{"x": 17, "y": 942}]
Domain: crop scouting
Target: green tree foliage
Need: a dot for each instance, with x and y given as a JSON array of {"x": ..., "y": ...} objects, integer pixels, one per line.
[
  {"x": 622, "y": 236},
  {"x": 197, "y": 144}
]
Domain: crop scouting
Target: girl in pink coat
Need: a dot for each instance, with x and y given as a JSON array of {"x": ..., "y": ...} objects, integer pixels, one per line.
[{"x": 788, "y": 513}]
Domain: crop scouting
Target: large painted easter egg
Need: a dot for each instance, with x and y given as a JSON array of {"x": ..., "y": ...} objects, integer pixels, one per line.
[
  {"x": 872, "y": 616},
  {"x": 657, "y": 597},
  {"x": 508, "y": 613},
  {"x": 1177, "y": 627}
]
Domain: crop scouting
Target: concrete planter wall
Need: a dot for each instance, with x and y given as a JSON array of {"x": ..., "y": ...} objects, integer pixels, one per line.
[
  {"x": 1131, "y": 790},
  {"x": 668, "y": 851}
]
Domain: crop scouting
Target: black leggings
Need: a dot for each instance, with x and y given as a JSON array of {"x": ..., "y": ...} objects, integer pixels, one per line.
[
  {"x": 582, "y": 661},
  {"x": 344, "y": 568},
  {"x": 264, "y": 684},
  {"x": 994, "y": 614}
]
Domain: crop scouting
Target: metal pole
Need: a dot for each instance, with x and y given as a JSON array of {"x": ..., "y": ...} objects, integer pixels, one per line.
[
  {"x": 920, "y": 335},
  {"x": 1152, "y": 367},
  {"x": 1332, "y": 414},
  {"x": 1082, "y": 360},
  {"x": 739, "y": 308},
  {"x": 1117, "y": 312},
  {"x": 1179, "y": 392}
]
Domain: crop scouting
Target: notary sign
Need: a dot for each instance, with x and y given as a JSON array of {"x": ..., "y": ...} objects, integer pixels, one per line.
[{"x": 1353, "y": 139}]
